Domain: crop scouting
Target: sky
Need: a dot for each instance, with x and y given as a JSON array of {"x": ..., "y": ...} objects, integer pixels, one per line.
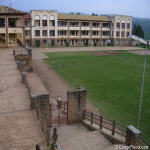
[{"x": 135, "y": 8}]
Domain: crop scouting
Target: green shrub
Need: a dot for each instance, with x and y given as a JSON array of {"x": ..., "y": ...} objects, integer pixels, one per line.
[
  {"x": 95, "y": 44},
  {"x": 67, "y": 44},
  {"x": 86, "y": 43},
  {"x": 108, "y": 44},
  {"x": 53, "y": 43}
]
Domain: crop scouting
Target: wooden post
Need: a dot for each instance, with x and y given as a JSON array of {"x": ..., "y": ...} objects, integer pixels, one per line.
[
  {"x": 113, "y": 127},
  {"x": 101, "y": 121},
  {"x": 91, "y": 118}
]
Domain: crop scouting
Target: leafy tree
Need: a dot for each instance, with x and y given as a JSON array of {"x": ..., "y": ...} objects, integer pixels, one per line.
[
  {"x": 138, "y": 30},
  {"x": 78, "y": 13}
]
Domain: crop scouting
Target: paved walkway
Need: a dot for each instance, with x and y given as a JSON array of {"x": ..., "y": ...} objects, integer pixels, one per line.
[{"x": 19, "y": 129}]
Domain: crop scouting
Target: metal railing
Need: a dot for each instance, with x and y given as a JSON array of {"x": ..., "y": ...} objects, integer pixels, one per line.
[{"x": 102, "y": 122}]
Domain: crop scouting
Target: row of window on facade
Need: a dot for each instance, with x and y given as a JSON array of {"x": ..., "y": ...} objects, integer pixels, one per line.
[
  {"x": 44, "y": 23},
  {"x": 71, "y": 41},
  {"x": 65, "y": 33},
  {"x": 122, "y": 34},
  {"x": 17, "y": 22},
  {"x": 123, "y": 25},
  {"x": 12, "y": 22}
]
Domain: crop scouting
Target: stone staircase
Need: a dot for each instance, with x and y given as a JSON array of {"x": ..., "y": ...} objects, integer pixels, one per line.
[{"x": 79, "y": 138}]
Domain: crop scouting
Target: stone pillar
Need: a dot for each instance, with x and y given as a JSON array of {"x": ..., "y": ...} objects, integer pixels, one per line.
[
  {"x": 76, "y": 105},
  {"x": 33, "y": 100},
  {"x": 23, "y": 77},
  {"x": 132, "y": 136},
  {"x": 30, "y": 60},
  {"x": 14, "y": 52}
]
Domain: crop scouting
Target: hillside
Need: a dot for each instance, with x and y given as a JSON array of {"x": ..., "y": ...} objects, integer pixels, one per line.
[{"x": 145, "y": 23}]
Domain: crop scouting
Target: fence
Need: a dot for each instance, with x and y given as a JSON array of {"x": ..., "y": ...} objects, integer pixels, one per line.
[
  {"x": 113, "y": 126},
  {"x": 106, "y": 123}
]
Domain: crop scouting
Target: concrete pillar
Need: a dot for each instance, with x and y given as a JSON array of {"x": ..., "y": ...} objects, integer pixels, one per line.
[{"x": 132, "y": 136}]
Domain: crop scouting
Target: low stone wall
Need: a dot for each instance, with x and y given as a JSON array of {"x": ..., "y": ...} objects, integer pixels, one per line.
[{"x": 39, "y": 97}]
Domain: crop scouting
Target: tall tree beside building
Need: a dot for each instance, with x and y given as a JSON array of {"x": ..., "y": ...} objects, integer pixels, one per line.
[{"x": 138, "y": 30}]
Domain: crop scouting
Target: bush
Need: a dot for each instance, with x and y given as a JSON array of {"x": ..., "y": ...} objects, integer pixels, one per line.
[
  {"x": 95, "y": 44},
  {"x": 137, "y": 45},
  {"x": 52, "y": 42},
  {"x": 86, "y": 44},
  {"x": 67, "y": 44},
  {"x": 108, "y": 44}
]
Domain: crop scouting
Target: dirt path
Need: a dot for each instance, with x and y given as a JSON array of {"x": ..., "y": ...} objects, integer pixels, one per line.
[
  {"x": 19, "y": 129},
  {"x": 54, "y": 83}
]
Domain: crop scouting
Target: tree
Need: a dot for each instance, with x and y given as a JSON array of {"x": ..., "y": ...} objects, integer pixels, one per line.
[
  {"x": 138, "y": 30},
  {"x": 134, "y": 28},
  {"x": 93, "y": 14}
]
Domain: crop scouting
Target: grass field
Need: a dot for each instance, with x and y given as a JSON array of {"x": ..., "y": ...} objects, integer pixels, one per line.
[{"x": 113, "y": 83}]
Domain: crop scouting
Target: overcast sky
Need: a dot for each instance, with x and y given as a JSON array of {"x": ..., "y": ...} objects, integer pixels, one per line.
[{"x": 136, "y": 8}]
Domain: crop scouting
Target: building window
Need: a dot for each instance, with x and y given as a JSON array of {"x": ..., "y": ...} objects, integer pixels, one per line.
[
  {"x": 128, "y": 33},
  {"x": 37, "y": 32},
  {"x": 85, "y": 24},
  {"x": 52, "y": 32},
  {"x": 106, "y": 25},
  {"x": 44, "y": 32},
  {"x": 44, "y": 41},
  {"x": 61, "y": 32},
  {"x": 84, "y": 32},
  {"x": 28, "y": 42},
  {"x": 118, "y": 25},
  {"x": 2, "y": 22},
  {"x": 37, "y": 23},
  {"x": 44, "y": 23},
  {"x": 62, "y": 23},
  {"x": 14, "y": 22},
  {"x": 117, "y": 34},
  {"x": 123, "y": 25},
  {"x": 74, "y": 33},
  {"x": 27, "y": 33},
  {"x": 122, "y": 34},
  {"x": 95, "y": 33},
  {"x": 27, "y": 23},
  {"x": 95, "y": 25},
  {"x": 74, "y": 24},
  {"x": 128, "y": 25},
  {"x": 105, "y": 33}
]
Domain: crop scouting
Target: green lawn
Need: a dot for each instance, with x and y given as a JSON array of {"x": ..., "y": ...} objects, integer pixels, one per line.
[{"x": 113, "y": 83}]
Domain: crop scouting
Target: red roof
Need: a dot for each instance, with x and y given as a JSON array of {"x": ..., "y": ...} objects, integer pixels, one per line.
[{"x": 27, "y": 16}]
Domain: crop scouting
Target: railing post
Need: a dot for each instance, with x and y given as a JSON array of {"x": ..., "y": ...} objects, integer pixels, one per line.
[
  {"x": 91, "y": 118},
  {"x": 101, "y": 121},
  {"x": 113, "y": 127}
]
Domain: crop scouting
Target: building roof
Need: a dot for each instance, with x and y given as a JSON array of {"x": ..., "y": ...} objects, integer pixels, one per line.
[
  {"x": 83, "y": 17},
  {"x": 8, "y": 10},
  {"x": 27, "y": 16}
]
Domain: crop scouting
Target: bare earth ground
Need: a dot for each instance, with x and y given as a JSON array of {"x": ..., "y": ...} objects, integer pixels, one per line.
[
  {"x": 19, "y": 129},
  {"x": 140, "y": 52}
]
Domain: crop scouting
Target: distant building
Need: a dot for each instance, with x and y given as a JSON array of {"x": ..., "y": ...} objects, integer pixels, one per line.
[{"x": 43, "y": 28}]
